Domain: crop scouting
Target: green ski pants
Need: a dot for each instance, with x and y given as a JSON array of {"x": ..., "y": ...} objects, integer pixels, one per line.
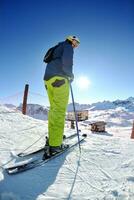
[{"x": 58, "y": 94}]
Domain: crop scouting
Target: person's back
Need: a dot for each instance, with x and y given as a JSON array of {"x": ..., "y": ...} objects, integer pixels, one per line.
[{"x": 62, "y": 62}]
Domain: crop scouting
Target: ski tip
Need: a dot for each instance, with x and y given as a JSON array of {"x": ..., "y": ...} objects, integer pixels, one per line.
[{"x": 20, "y": 154}]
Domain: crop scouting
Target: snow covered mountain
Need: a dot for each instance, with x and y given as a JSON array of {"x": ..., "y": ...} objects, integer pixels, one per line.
[
  {"x": 36, "y": 111},
  {"x": 127, "y": 104},
  {"x": 10, "y": 106}
]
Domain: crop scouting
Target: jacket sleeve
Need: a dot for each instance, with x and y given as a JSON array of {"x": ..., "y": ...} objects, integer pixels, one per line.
[{"x": 67, "y": 60}]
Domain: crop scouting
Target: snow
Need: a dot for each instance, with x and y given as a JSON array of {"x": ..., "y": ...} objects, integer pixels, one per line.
[{"x": 103, "y": 171}]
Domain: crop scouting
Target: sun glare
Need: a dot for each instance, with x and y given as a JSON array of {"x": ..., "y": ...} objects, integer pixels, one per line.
[{"x": 83, "y": 82}]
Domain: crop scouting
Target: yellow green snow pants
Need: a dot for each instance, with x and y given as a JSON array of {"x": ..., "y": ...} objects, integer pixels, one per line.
[{"x": 58, "y": 94}]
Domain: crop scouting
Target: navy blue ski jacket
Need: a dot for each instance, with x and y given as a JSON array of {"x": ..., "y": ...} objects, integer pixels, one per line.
[{"x": 62, "y": 62}]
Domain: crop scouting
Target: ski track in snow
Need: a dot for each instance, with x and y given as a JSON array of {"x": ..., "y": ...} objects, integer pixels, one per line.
[{"x": 103, "y": 171}]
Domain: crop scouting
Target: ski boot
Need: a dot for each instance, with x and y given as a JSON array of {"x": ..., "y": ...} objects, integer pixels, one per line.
[
  {"x": 53, "y": 150},
  {"x": 57, "y": 149}
]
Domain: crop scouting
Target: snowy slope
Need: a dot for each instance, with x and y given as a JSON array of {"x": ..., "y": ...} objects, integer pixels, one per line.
[
  {"x": 103, "y": 171},
  {"x": 113, "y": 117}
]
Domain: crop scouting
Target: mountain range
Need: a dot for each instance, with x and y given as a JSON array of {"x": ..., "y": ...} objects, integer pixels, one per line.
[
  {"x": 40, "y": 112},
  {"x": 127, "y": 104}
]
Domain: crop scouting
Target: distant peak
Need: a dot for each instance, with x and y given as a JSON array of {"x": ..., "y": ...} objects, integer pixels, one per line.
[{"x": 130, "y": 99}]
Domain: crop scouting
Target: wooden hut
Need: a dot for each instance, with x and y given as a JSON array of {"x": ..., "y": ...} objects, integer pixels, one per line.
[
  {"x": 82, "y": 115},
  {"x": 98, "y": 126}
]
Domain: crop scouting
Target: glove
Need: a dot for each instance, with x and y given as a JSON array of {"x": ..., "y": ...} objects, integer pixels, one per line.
[{"x": 71, "y": 78}]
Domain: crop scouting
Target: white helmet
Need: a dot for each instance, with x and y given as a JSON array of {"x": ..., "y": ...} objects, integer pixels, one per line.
[{"x": 71, "y": 38}]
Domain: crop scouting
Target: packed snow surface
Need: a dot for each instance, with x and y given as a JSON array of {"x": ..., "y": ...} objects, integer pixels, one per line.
[{"x": 104, "y": 170}]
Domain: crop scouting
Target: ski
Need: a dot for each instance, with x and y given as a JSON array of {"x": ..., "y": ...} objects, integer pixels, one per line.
[
  {"x": 32, "y": 164},
  {"x": 22, "y": 154}
]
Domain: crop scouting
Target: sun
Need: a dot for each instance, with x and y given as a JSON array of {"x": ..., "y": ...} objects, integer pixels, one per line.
[{"x": 83, "y": 82}]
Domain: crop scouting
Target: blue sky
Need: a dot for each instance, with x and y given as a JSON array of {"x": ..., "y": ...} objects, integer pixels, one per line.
[{"x": 106, "y": 53}]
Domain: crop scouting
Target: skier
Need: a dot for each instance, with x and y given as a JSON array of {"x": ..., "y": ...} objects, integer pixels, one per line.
[{"x": 58, "y": 73}]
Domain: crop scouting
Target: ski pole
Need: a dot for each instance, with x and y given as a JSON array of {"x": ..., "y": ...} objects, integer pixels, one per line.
[{"x": 75, "y": 115}]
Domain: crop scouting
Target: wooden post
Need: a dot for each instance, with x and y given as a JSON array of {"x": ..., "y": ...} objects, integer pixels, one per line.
[
  {"x": 24, "y": 106},
  {"x": 72, "y": 124},
  {"x": 132, "y": 134}
]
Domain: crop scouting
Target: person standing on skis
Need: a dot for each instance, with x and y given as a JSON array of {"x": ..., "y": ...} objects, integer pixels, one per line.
[{"x": 58, "y": 73}]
